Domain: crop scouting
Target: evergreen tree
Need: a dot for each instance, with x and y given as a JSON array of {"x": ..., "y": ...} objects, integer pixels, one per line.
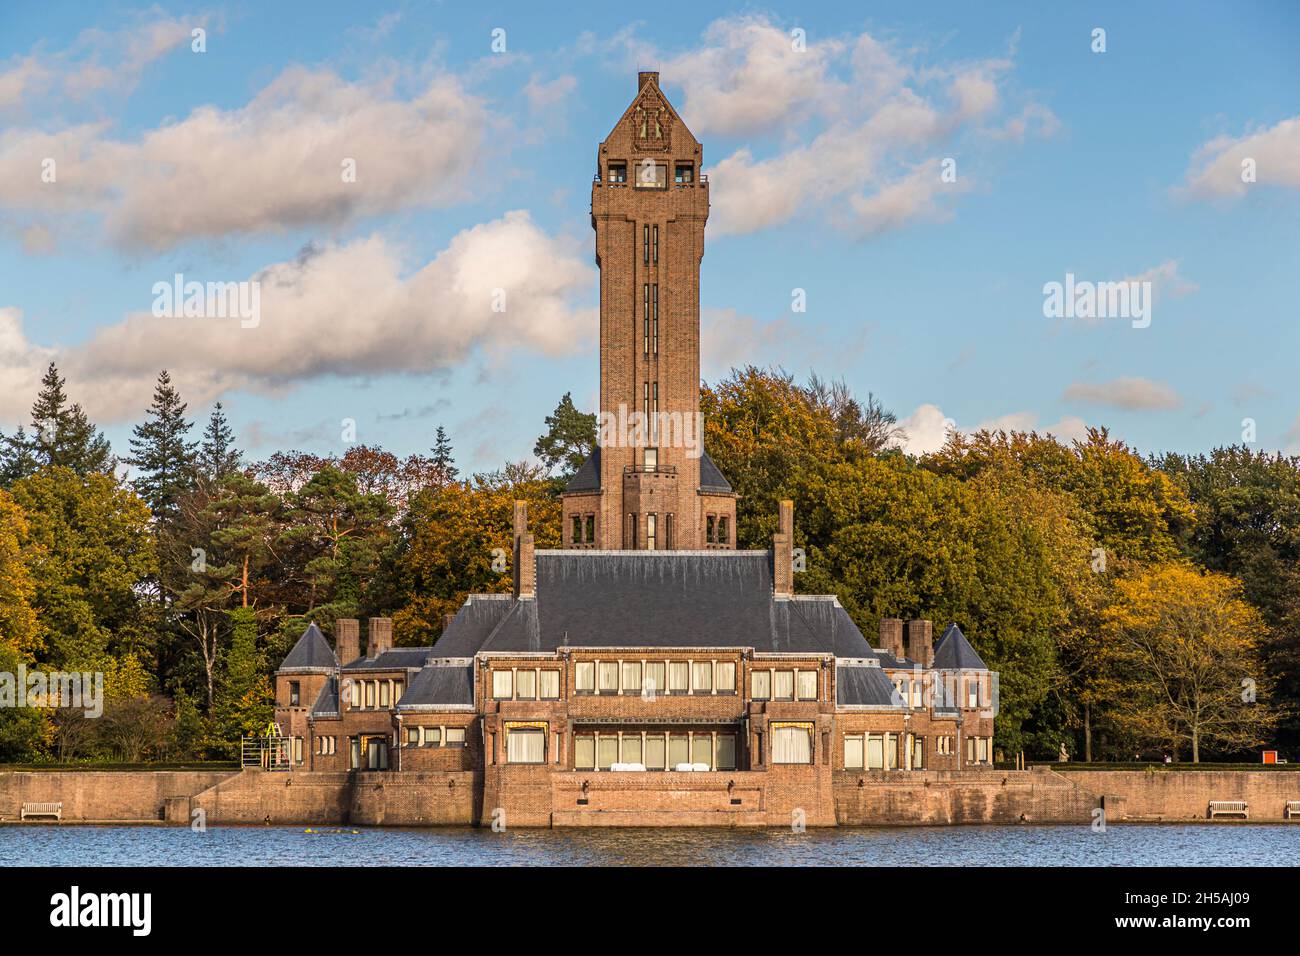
[
  {"x": 443, "y": 462},
  {"x": 218, "y": 455},
  {"x": 161, "y": 453},
  {"x": 569, "y": 440},
  {"x": 244, "y": 703},
  {"x": 17, "y": 458},
  {"x": 62, "y": 435}
]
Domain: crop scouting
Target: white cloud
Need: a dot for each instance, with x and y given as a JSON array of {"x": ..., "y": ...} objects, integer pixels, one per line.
[
  {"x": 275, "y": 163},
  {"x": 543, "y": 96},
  {"x": 926, "y": 429},
  {"x": 1165, "y": 280},
  {"x": 1216, "y": 167},
  {"x": 1130, "y": 394},
  {"x": 344, "y": 309},
  {"x": 874, "y": 122}
]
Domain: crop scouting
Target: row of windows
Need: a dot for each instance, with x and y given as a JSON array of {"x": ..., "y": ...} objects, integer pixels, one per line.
[
  {"x": 879, "y": 751},
  {"x": 435, "y": 736},
  {"x": 650, "y": 320},
  {"x": 652, "y": 524},
  {"x": 583, "y": 529},
  {"x": 650, "y": 174},
  {"x": 525, "y": 684},
  {"x": 326, "y": 745},
  {"x": 717, "y": 529},
  {"x": 374, "y": 694},
  {"x": 693, "y": 750},
  {"x": 783, "y": 685},
  {"x": 650, "y": 244},
  {"x": 649, "y": 678}
]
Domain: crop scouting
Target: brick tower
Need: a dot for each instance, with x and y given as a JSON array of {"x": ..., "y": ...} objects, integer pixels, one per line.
[{"x": 649, "y": 487}]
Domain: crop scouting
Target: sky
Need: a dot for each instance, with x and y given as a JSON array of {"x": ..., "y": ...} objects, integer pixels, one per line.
[{"x": 917, "y": 175}]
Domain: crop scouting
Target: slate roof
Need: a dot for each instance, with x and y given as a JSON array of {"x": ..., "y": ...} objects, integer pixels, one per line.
[
  {"x": 653, "y": 599},
  {"x": 955, "y": 653},
  {"x": 393, "y": 659},
  {"x": 440, "y": 684},
  {"x": 587, "y": 477},
  {"x": 863, "y": 685},
  {"x": 311, "y": 653},
  {"x": 711, "y": 479},
  {"x": 327, "y": 701}
]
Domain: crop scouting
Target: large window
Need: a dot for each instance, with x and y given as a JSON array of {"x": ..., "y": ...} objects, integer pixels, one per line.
[
  {"x": 631, "y": 677},
  {"x": 807, "y": 685},
  {"x": 525, "y": 744},
  {"x": 760, "y": 685},
  {"x": 679, "y": 750},
  {"x": 607, "y": 676},
  {"x": 656, "y": 679},
  {"x": 853, "y": 752},
  {"x": 548, "y": 685},
  {"x": 726, "y": 752},
  {"x": 295, "y": 693},
  {"x": 678, "y": 677},
  {"x": 455, "y": 736},
  {"x": 655, "y": 752},
  {"x": 783, "y": 688},
  {"x": 703, "y": 677},
  {"x": 526, "y": 685},
  {"x": 875, "y": 752},
  {"x": 791, "y": 743},
  {"x": 584, "y": 677},
  {"x": 726, "y": 677},
  {"x": 630, "y": 751},
  {"x": 584, "y": 752},
  {"x": 503, "y": 684}
]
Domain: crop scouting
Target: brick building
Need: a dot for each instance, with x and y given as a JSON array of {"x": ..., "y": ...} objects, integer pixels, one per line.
[{"x": 648, "y": 671}]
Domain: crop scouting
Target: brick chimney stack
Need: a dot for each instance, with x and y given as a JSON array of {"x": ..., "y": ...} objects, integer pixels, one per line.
[
  {"x": 347, "y": 639},
  {"x": 646, "y": 76},
  {"x": 891, "y": 636},
  {"x": 920, "y": 642},
  {"x": 783, "y": 551},
  {"x": 380, "y": 636},
  {"x": 525, "y": 559}
]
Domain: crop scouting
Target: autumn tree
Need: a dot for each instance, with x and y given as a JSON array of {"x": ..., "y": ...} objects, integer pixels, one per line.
[{"x": 1184, "y": 663}]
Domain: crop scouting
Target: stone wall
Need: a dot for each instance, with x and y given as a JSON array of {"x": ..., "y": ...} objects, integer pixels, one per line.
[
  {"x": 1184, "y": 795},
  {"x": 104, "y": 795}
]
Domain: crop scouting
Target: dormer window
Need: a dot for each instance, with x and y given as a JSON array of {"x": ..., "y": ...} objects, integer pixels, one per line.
[{"x": 618, "y": 172}]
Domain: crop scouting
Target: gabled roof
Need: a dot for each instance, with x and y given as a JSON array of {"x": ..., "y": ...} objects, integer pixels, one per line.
[
  {"x": 955, "y": 653},
  {"x": 587, "y": 477},
  {"x": 311, "y": 653},
  {"x": 711, "y": 479},
  {"x": 653, "y": 599},
  {"x": 440, "y": 684},
  {"x": 860, "y": 685}
]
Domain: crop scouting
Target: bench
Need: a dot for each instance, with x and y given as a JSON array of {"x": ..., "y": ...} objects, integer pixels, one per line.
[
  {"x": 1292, "y": 809},
  {"x": 1228, "y": 808},
  {"x": 33, "y": 810}
]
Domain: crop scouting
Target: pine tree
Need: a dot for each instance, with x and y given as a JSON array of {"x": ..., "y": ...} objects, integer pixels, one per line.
[
  {"x": 443, "y": 461},
  {"x": 218, "y": 455},
  {"x": 17, "y": 458},
  {"x": 62, "y": 435},
  {"x": 161, "y": 453},
  {"x": 569, "y": 440},
  {"x": 244, "y": 702}
]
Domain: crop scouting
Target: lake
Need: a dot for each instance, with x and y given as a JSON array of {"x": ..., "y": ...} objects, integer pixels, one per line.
[{"x": 1172, "y": 845}]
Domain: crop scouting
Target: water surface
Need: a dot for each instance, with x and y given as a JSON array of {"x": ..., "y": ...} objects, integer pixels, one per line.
[{"x": 1169, "y": 845}]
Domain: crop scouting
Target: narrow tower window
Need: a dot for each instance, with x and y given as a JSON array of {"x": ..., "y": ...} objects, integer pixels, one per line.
[
  {"x": 655, "y": 315},
  {"x": 656, "y": 245},
  {"x": 645, "y": 317},
  {"x": 645, "y": 244}
]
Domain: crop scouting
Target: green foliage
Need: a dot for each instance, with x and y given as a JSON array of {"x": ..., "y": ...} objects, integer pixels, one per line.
[
  {"x": 569, "y": 440},
  {"x": 160, "y": 452}
]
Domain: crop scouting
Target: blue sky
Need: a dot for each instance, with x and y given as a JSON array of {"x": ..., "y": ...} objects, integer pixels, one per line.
[{"x": 473, "y": 172}]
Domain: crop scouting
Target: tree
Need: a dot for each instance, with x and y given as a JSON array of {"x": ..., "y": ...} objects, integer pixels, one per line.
[
  {"x": 1183, "y": 659},
  {"x": 62, "y": 437},
  {"x": 161, "y": 453},
  {"x": 569, "y": 440},
  {"x": 18, "y": 627},
  {"x": 217, "y": 456},
  {"x": 17, "y": 457},
  {"x": 245, "y": 703},
  {"x": 88, "y": 549},
  {"x": 442, "y": 459},
  {"x": 248, "y": 520}
]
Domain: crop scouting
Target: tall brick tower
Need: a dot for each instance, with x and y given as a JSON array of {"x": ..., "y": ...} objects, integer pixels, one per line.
[{"x": 651, "y": 487}]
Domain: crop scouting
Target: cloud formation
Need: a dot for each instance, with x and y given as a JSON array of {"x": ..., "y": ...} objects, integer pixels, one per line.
[
  {"x": 338, "y": 310},
  {"x": 1216, "y": 169},
  {"x": 1129, "y": 394}
]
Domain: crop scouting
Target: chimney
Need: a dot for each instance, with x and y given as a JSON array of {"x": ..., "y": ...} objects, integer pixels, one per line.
[
  {"x": 446, "y": 621},
  {"x": 647, "y": 76},
  {"x": 891, "y": 636},
  {"x": 783, "y": 551},
  {"x": 380, "y": 633},
  {"x": 525, "y": 560},
  {"x": 347, "y": 639},
  {"x": 920, "y": 642}
]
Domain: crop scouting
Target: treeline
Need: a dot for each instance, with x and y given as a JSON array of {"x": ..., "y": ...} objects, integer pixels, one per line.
[{"x": 1134, "y": 606}]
